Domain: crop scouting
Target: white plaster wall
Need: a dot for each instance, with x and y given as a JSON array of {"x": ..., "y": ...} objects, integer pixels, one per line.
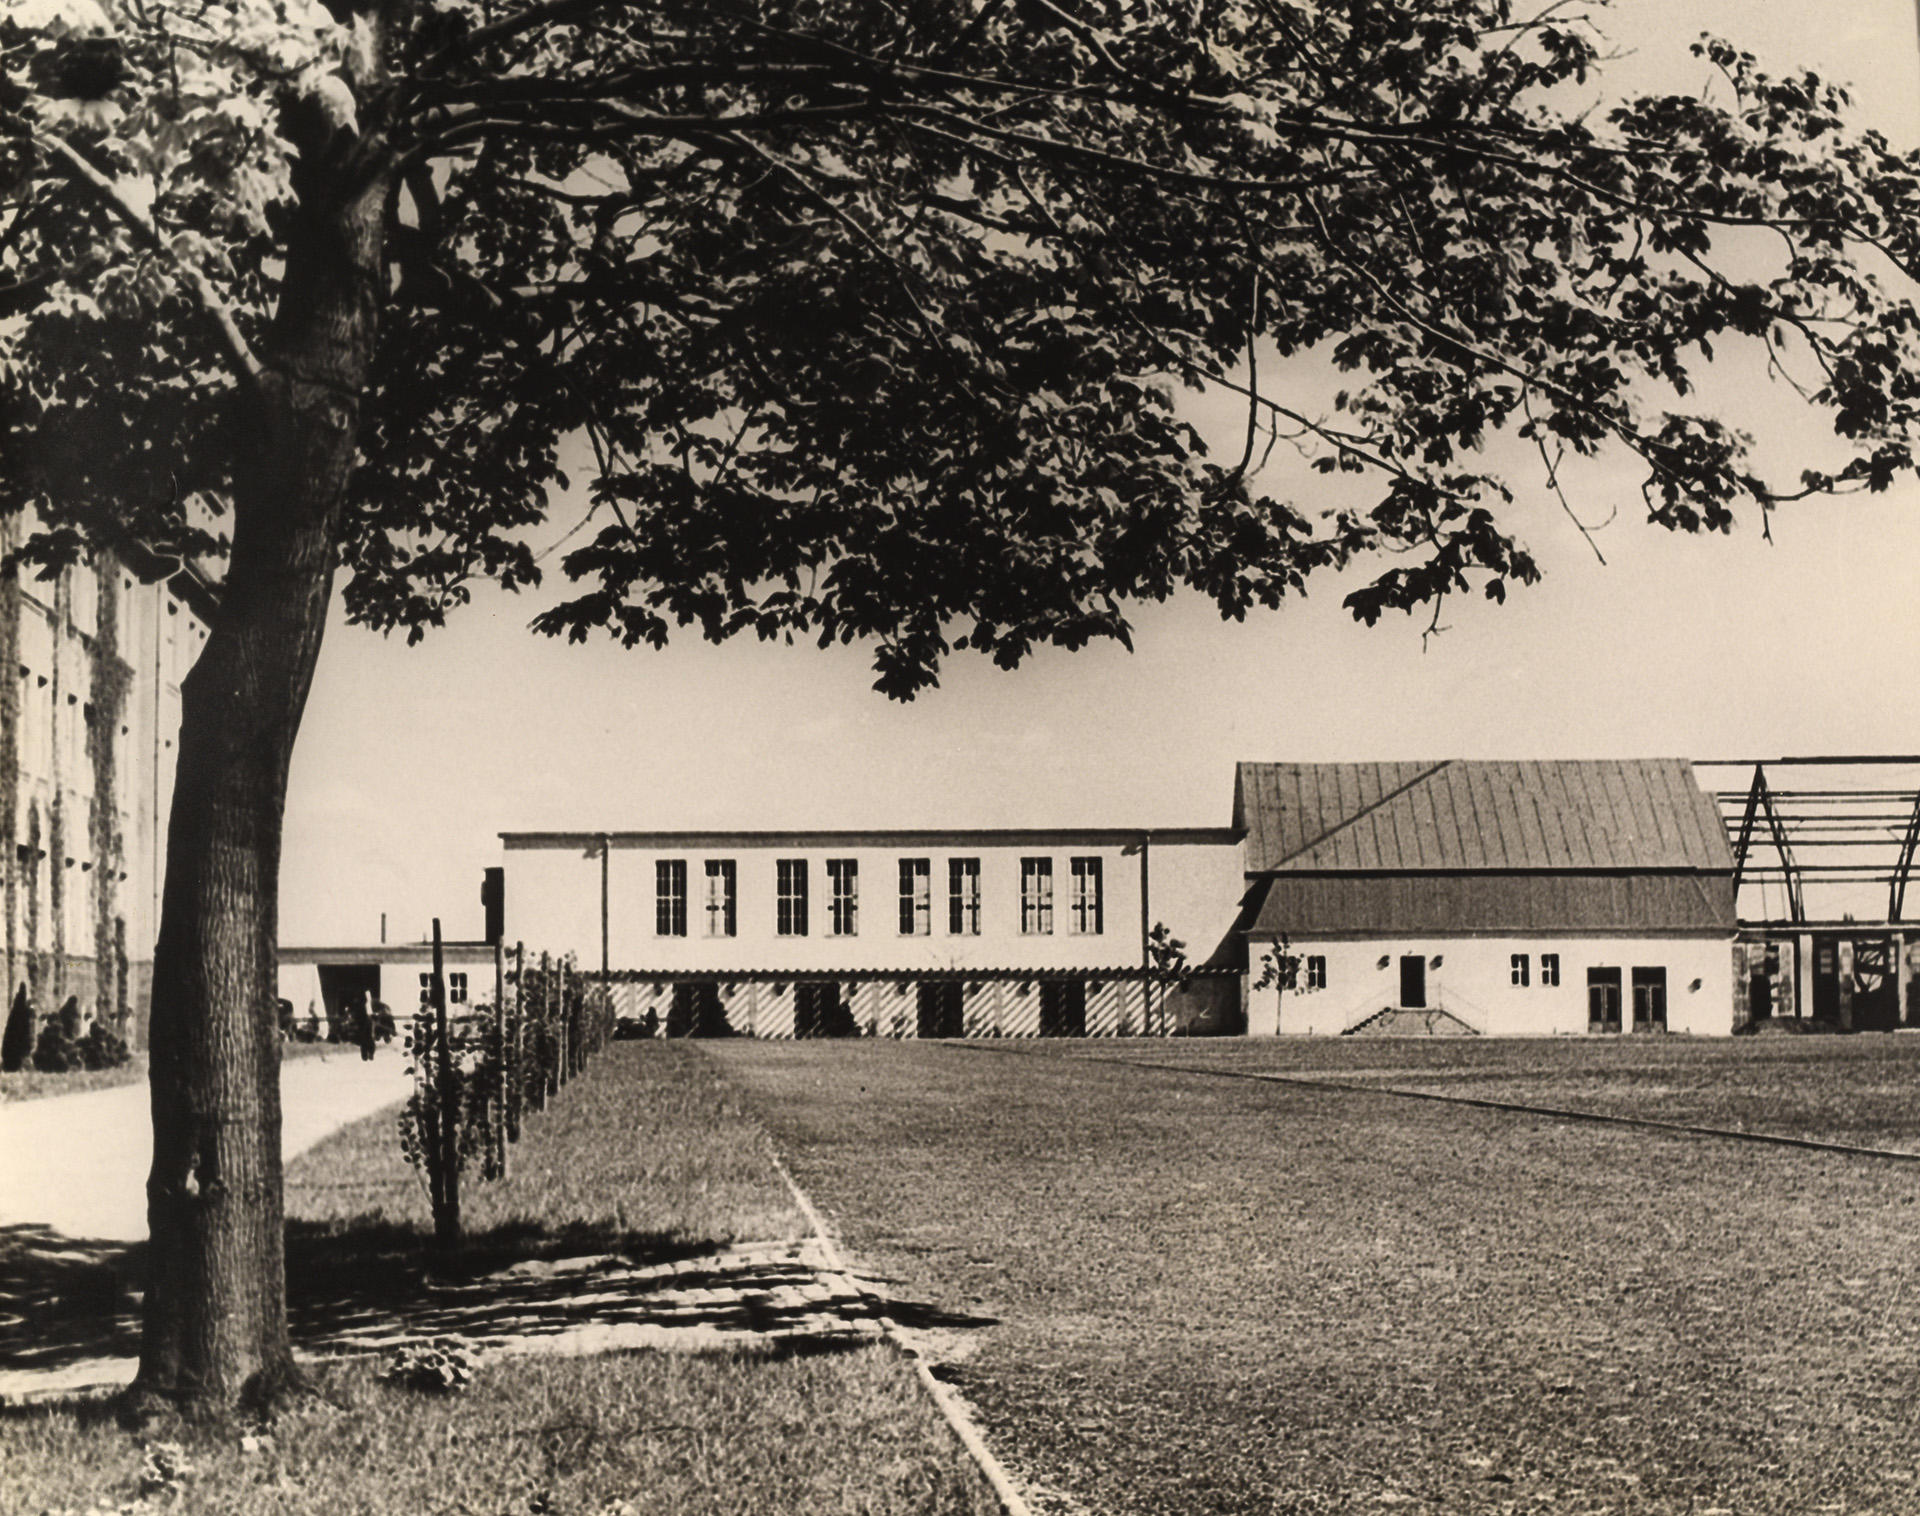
[
  {"x": 1196, "y": 889},
  {"x": 299, "y": 986},
  {"x": 1473, "y": 980},
  {"x": 553, "y": 900}
]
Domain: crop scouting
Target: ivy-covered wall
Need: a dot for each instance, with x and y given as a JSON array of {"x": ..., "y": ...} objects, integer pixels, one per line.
[
  {"x": 56, "y": 807},
  {"x": 84, "y": 929},
  {"x": 10, "y": 751},
  {"x": 112, "y": 679}
]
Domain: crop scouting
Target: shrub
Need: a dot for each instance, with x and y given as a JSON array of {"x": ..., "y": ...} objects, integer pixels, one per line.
[
  {"x": 437, "y": 1366},
  {"x": 56, "y": 1052},
  {"x": 102, "y": 1048},
  {"x": 17, "y": 1045}
]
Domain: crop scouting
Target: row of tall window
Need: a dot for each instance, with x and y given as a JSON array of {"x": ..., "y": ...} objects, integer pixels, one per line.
[{"x": 1085, "y": 904}]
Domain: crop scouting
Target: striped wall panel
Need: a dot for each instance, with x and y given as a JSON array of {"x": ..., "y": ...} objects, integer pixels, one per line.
[
  {"x": 1103, "y": 1008},
  {"x": 981, "y": 1009},
  {"x": 881, "y": 1007},
  {"x": 1020, "y": 1009}
]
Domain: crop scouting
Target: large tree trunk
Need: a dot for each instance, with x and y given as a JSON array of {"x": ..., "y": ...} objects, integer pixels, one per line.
[{"x": 215, "y": 1326}]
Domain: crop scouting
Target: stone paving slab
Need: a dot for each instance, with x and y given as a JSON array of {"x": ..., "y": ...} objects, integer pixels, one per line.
[{"x": 757, "y": 1295}]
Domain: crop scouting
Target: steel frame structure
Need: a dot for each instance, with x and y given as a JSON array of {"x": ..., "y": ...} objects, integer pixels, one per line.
[{"x": 1847, "y": 827}]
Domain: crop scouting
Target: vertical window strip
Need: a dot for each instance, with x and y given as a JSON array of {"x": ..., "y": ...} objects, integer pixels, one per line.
[
  {"x": 1036, "y": 896},
  {"x": 844, "y": 873},
  {"x": 720, "y": 897},
  {"x": 791, "y": 916},
  {"x": 963, "y": 897},
  {"x": 1088, "y": 907},
  {"x": 916, "y": 897},
  {"x": 670, "y": 897}
]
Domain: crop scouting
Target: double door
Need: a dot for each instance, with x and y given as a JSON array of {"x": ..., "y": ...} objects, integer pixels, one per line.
[{"x": 1649, "y": 999}]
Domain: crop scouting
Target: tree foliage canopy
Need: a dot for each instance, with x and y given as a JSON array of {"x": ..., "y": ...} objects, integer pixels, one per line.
[{"x": 873, "y": 316}]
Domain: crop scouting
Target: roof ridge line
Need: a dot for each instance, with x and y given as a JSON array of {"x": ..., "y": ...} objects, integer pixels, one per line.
[{"x": 1364, "y": 811}]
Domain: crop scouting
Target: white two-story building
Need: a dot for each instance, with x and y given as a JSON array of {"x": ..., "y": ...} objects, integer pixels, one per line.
[{"x": 891, "y": 933}]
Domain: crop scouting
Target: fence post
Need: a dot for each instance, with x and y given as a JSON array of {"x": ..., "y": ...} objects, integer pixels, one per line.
[
  {"x": 549, "y": 1063},
  {"x": 503, "y": 1076},
  {"x": 446, "y": 1221},
  {"x": 566, "y": 1027},
  {"x": 519, "y": 1081}
]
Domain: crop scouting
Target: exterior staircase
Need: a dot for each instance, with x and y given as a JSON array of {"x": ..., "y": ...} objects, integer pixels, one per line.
[{"x": 1411, "y": 1021}]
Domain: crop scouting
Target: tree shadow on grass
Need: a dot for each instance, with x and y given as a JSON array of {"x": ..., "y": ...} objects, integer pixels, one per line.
[
  {"x": 368, "y": 1285},
  {"x": 372, "y": 1285},
  {"x": 65, "y": 1299}
]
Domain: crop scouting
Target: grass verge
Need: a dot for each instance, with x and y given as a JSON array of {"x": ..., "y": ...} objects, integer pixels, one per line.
[
  {"x": 650, "y": 1145},
  {"x": 650, "y": 1152},
  {"x": 31, "y": 1084},
  {"x": 1221, "y": 1295},
  {"x": 708, "y": 1436}
]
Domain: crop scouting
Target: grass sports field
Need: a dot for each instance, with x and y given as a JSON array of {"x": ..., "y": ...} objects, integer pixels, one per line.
[{"x": 1198, "y": 1291}]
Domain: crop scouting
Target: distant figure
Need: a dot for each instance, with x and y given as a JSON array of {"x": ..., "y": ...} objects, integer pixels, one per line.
[{"x": 363, "y": 1017}]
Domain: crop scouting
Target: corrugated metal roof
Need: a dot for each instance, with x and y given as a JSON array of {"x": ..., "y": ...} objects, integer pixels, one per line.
[
  {"x": 1482, "y": 904},
  {"x": 1642, "y": 813}
]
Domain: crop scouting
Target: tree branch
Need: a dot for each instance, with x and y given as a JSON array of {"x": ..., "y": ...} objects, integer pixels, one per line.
[{"x": 246, "y": 363}]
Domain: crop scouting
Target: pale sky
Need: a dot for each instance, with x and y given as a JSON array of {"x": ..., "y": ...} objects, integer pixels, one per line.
[{"x": 412, "y": 760}]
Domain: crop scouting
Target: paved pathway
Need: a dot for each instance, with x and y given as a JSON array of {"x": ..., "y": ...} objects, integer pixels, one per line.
[{"x": 78, "y": 1163}]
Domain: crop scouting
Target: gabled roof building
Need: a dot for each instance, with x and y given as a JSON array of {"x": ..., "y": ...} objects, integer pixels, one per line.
[{"x": 1492, "y": 897}]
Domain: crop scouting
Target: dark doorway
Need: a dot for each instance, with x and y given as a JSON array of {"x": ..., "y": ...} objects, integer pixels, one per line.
[
  {"x": 347, "y": 991},
  {"x": 1876, "y": 997},
  {"x": 1413, "y": 982},
  {"x": 820, "y": 1010},
  {"x": 942, "y": 1009},
  {"x": 696, "y": 1010},
  {"x": 1603, "y": 1000},
  {"x": 1063, "y": 1008},
  {"x": 1650, "y": 1000},
  {"x": 1853, "y": 983},
  {"x": 1763, "y": 970},
  {"x": 1826, "y": 979}
]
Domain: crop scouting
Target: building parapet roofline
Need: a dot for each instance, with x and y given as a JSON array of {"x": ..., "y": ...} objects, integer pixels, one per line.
[{"x": 531, "y": 841}]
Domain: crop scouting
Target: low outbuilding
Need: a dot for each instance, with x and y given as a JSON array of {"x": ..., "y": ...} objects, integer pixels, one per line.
[{"x": 1502, "y": 898}]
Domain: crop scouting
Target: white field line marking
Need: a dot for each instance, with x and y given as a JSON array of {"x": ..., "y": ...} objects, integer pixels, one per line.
[{"x": 1012, "y": 1502}]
